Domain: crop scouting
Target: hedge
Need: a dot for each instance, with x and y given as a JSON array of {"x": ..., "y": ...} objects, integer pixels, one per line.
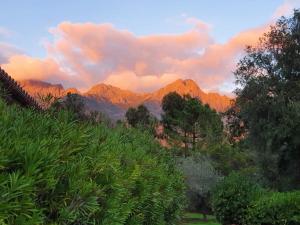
[
  {"x": 275, "y": 209},
  {"x": 232, "y": 197}
]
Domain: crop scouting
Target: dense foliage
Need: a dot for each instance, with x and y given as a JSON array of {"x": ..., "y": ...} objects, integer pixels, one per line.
[
  {"x": 275, "y": 209},
  {"x": 268, "y": 102},
  {"x": 54, "y": 170},
  {"x": 232, "y": 198}
]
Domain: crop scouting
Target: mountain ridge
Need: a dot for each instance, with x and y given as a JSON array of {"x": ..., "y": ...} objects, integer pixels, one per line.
[{"x": 116, "y": 101}]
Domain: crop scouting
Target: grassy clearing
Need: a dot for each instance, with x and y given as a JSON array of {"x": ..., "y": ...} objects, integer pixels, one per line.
[{"x": 197, "y": 219}]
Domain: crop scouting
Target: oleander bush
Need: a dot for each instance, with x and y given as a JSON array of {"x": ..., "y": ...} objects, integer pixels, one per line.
[
  {"x": 232, "y": 197},
  {"x": 275, "y": 209},
  {"x": 54, "y": 170}
]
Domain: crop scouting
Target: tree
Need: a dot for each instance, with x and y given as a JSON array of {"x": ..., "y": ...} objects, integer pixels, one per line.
[
  {"x": 186, "y": 119},
  {"x": 138, "y": 116},
  {"x": 211, "y": 125},
  {"x": 179, "y": 117},
  {"x": 191, "y": 115},
  {"x": 73, "y": 103},
  {"x": 235, "y": 127},
  {"x": 268, "y": 100},
  {"x": 172, "y": 105},
  {"x": 143, "y": 115},
  {"x": 131, "y": 116}
]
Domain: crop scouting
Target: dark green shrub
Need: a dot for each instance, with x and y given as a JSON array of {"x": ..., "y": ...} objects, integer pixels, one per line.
[
  {"x": 232, "y": 197},
  {"x": 57, "y": 171},
  {"x": 275, "y": 209}
]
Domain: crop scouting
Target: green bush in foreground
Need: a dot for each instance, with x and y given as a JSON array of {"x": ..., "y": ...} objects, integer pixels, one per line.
[
  {"x": 57, "y": 171},
  {"x": 275, "y": 209},
  {"x": 232, "y": 198}
]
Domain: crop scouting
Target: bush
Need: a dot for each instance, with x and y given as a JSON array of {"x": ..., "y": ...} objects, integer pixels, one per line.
[
  {"x": 54, "y": 170},
  {"x": 232, "y": 197},
  {"x": 275, "y": 209},
  {"x": 200, "y": 178}
]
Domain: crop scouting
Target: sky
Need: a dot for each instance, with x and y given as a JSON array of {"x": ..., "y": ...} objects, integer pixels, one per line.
[{"x": 136, "y": 44}]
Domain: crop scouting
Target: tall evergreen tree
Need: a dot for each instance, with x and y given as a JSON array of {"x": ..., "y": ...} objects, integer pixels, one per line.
[{"x": 186, "y": 119}]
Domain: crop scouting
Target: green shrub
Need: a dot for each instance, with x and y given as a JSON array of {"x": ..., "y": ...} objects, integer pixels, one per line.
[
  {"x": 54, "y": 170},
  {"x": 200, "y": 178},
  {"x": 232, "y": 197},
  {"x": 275, "y": 209}
]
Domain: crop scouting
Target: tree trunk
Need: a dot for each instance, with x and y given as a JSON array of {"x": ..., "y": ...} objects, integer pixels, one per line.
[
  {"x": 185, "y": 144},
  {"x": 194, "y": 139}
]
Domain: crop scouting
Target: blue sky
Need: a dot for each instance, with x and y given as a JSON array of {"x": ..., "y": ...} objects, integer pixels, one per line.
[
  {"x": 147, "y": 44},
  {"x": 30, "y": 20}
]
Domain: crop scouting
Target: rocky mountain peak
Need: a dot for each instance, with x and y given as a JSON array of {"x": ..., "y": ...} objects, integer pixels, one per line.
[{"x": 117, "y": 101}]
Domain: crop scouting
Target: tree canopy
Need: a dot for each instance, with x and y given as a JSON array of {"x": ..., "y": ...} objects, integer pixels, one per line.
[
  {"x": 268, "y": 99},
  {"x": 138, "y": 116},
  {"x": 188, "y": 120}
]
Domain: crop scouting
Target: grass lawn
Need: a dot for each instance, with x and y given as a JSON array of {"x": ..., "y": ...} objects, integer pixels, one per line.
[{"x": 197, "y": 219}]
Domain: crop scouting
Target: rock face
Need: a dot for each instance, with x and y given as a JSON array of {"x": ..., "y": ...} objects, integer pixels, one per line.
[
  {"x": 114, "y": 101},
  {"x": 123, "y": 98},
  {"x": 183, "y": 87},
  {"x": 36, "y": 87}
]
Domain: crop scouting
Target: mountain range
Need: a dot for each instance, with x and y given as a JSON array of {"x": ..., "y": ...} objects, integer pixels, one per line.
[{"x": 114, "y": 101}]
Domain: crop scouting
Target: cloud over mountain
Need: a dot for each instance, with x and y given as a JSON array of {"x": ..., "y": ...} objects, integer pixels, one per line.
[{"x": 82, "y": 54}]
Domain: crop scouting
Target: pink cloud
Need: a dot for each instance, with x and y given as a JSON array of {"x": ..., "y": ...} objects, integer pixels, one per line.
[
  {"x": 130, "y": 81},
  {"x": 83, "y": 54},
  {"x": 286, "y": 8},
  {"x": 100, "y": 52},
  {"x": 25, "y": 67},
  {"x": 102, "y": 49},
  {"x": 215, "y": 65}
]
